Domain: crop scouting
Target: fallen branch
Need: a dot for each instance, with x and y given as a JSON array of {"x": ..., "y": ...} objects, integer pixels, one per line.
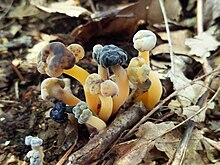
[{"x": 94, "y": 149}]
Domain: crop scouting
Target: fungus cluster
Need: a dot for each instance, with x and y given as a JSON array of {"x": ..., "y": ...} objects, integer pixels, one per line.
[{"x": 103, "y": 96}]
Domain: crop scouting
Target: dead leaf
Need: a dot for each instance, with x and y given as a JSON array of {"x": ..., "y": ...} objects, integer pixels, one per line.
[
  {"x": 123, "y": 23},
  {"x": 117, "y": 23},
  {"x": 146, "y": 133},
  {"x": 211, "y": 12},
  {"x": 65, "y": 7},
  {"x": 155, "y": 15},
  {"x": 22, "y": 11},
  {"x": 178, "y": 43},
  {"x": 202, "y": 44},
  {"x": 188, "y": 111},
  {"x": 192, "y": 155},
  {"x": 212, "y": 153}
]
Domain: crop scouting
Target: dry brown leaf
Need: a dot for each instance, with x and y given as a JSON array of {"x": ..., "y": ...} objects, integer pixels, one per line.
[
  {"x": 22, "y": 11},
  {"x": 202, "y": 44},
  {"x": 188, "y": 111},
  {"x": 155, "y": 15},
  {"x": 118, "y": 23},
  {"x": 211, "y": 152},
  {"x": 178, "y": 42},
  {"x": 65, "y": 7},
  {"x": 123, "y": 23},
  {"x": 169, "y": 142},
  {"x": 146, "y": 133}
]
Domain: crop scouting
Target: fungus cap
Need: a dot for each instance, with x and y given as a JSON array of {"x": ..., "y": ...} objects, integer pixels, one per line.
[
  {"x": 53, "y": 58},
  {"x": 77, "y": 50},
  {"x": 96, "y": 52},
  {"x": 144, "y": 40},
  {"x": 47, "y": 86},
  {"x": 109, "y": 88},
  {"x": 110, "y": 55}
]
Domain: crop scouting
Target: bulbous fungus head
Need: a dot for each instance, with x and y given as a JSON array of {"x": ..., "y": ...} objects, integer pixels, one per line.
[
  {"x": 82, "y": 112},
  {"x": 53, "y": 58},
  {"x": 109, "y": 55},
  {"x": 144, "y": 40},
  {"x": 93, "y": 81},
  {"x": 138, "y": 73},
  {"x": 96, "y": 52},
  {"x": 58, "y": 114},
  {"x": 33, "y": 141},
  {"x": 77, "y": 50},
  {"x": 48, "y": 86},
  {"x": 109, "y": 88}
]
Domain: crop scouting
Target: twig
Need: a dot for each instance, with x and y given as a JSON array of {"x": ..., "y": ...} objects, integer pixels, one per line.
[
  {"x": 199, "y": 16},
  {"x": 168, "y": 37},
  {"x": 21, "y": 78},
  {"x": 64, "y": 157},
  {"x": 16, "y": 90},
  {"x": 94, "y": 149},
  {"x": 181, "y": 149},
  {"x": 146, "y": 117},
  {"x": 9, "y": 101}
]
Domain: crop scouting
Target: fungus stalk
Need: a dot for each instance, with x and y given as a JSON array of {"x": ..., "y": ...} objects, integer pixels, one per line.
[
  {"x": 103, "y": 72},
  {"x": 78, "y": 73},
  {"x": 123, "y": 85},
  {"x": 105, "y": 90},
  {"x": 55, "y": 88},
  {"x": 93, "y": 85},
  {"x": 144, "y": 41}
]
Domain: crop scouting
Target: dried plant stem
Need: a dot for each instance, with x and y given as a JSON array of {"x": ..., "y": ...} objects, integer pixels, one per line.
[
  {"x": 181, "y": 149},
  {"x": 168, "y": 37},
  {"x": 199, "y": 16}
]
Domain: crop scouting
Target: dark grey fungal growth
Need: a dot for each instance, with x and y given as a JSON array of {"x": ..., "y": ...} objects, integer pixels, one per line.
[{"x": 109, "y": 55}]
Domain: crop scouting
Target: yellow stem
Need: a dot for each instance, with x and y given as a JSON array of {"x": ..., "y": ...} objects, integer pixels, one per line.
[
  {"x": 123, "y": 85},
  {"x": 145, "y": 56},
  {"x": 153, "y": 95},
  {"x": 103, "y": 72},
  {"x": 78, "y": 73},
  {"x": 81, "y": 75},
  {"x": 96, "y": 123},
  {"x": 68, "y": 98},
  {"x": 106, "y": 107},
  {"x": 91, "y": 100}
]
